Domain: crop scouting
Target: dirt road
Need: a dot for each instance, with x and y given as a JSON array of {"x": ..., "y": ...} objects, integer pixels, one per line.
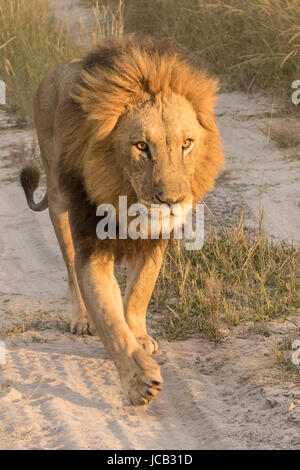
[{"x": 59, "y": 391}]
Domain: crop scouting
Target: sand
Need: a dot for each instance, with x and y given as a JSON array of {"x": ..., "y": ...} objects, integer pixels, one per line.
[{"x": 60, "y": 391}]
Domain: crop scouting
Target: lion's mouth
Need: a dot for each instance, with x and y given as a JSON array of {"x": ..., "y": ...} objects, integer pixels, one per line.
[{"x": 170, "y": 209}]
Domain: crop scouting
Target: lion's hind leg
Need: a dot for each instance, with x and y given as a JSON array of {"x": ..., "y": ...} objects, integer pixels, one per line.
[{"x": 60, "y": 221}]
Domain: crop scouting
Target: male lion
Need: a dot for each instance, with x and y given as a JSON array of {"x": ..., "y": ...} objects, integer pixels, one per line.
[{"x": 134, "y": 119}]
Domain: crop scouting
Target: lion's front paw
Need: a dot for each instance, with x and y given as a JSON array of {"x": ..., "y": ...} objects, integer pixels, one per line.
[
  {"x": 80, "y": 327},
  {"x": 148, "y": 343},
  {"x": 143, "y": 382}
]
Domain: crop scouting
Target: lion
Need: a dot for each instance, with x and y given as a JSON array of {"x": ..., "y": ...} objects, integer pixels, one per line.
[{"x": 131, "y": 118}]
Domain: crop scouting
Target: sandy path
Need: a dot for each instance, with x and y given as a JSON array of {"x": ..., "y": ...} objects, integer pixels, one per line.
[
  {"x": 257, "y": 174},
  {"x": 58, "y": 391}
]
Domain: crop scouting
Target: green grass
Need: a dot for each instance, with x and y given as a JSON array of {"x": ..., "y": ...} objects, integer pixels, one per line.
[{"x": 238, "y": 276}]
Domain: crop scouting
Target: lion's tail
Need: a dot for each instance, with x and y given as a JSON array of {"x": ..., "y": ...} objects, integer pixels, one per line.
[{"x": 30, "y": 178}]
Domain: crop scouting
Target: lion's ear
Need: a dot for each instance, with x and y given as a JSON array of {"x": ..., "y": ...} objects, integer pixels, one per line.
[
  {"x": 209, "y": 163},
  {"x": 207, "y": 120},
  {"x": 199, "y": 89},
  {"x": 211, "y": 158},
  {"x": 104, "y": 126},
  {"x": 204, "y": 101}
]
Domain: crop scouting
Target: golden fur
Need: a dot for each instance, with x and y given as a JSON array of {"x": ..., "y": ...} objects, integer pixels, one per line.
[
  {"x": 89, "y": 115},
  {"x": 115, "y": 76}
]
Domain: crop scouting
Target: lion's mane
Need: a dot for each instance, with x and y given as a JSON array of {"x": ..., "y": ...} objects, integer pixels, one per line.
[{"x": 117, "y": 74}]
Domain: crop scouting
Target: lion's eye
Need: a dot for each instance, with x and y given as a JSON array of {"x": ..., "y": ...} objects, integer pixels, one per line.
[
  {"x": 143, "y": 146},
  {"x": 187, "y": 143}
]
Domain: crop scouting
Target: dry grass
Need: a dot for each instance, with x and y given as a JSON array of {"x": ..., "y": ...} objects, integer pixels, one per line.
[
  {"x": 5, "y": 386},
  {"x": 286, "y": 136},
  {"x": 32, "y": 42},
  {"x": 282, "y": 355},
  {"x": 43, "y": 322},
  {"x": 238, "y": 276},
  {"x": 108, "y": 20},
  {"x": 23, "y": 153},
  {"x": 252, "y": 43},
  {"x": 20, "y": 155}
]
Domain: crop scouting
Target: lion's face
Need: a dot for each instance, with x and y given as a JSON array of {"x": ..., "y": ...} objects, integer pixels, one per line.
[{"x": 156, "y": 143}]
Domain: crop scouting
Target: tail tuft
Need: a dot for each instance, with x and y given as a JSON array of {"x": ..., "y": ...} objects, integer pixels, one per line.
[{"x": 29, "y": 179}]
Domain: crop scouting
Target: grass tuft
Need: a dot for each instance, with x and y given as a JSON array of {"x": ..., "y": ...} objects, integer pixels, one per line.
[
  {"x": 238, "y": 276},
  {"x": 32, "y": 42},
  {"x": 282, "y": 355},
  {"x": 252, "y": 43},
  {"x": 285, "y": 136}
]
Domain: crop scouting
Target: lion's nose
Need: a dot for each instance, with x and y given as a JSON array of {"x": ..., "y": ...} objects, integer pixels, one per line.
[{"x": 159, "y": 197}]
